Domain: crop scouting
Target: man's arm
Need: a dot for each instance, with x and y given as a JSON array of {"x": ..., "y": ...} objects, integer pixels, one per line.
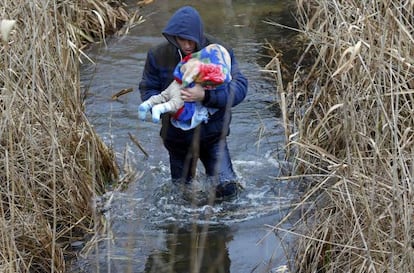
[
  {"x": 232, "y": 93},
  {"x": 150, "y": 84}
]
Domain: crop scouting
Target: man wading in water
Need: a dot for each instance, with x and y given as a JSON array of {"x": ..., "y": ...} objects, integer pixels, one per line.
[{"x": 208, "y": 141}]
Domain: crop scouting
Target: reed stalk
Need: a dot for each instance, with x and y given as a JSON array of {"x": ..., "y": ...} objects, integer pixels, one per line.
[
  {"x": 52, "y": 162},
  {"x": 353, "y": 119}
]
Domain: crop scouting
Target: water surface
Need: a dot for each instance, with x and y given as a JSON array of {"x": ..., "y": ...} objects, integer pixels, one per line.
[{"x": 150, "y": 228}]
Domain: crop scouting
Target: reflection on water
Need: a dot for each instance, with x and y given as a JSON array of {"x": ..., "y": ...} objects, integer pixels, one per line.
[
  {"x": 204, "y": 250},
  {"x": 150, "y": 227}
]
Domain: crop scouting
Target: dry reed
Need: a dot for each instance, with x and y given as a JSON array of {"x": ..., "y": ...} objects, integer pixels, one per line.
[
  {"x": 351, "y": 117},
  {"x": 52, "y": 162}
]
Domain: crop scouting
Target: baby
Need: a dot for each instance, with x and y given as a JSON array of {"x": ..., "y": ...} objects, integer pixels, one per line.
[{"x": 210, "y": 67}]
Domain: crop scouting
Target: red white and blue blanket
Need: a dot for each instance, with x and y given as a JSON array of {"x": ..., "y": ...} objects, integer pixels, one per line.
[{"x": 212, "y": 70}]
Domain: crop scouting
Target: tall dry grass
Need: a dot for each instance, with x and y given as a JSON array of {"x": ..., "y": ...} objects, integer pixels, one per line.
[
  {"x": 52, "y": 162},
  {"x": 351, "y": 119}
]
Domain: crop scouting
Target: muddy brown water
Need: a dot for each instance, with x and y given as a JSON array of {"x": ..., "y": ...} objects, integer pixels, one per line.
[{"x": 150, "y": 228}]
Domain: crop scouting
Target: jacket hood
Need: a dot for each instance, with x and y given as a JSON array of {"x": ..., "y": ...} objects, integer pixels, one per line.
[{"x": 185, "y": 23}]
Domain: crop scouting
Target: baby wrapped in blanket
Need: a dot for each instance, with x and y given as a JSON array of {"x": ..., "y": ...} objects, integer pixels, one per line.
[{"x": 210, "y": 67}]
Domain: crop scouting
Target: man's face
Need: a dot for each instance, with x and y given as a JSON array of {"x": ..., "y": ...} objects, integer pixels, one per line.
[{"x": 187, "y": 46}]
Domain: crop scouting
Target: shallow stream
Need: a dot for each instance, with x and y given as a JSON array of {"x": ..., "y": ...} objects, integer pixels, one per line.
[{"x": 151, "y": 229}]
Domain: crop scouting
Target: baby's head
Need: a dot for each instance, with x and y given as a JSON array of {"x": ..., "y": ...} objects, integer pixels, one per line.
[
  {"x": 221, "y": 54},
  {"x": 216, "y": 67},
  {"x": 190, "y": 70}
]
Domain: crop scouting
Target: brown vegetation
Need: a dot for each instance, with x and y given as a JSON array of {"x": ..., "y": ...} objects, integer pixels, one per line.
[
  {"x": 52, "y": 162},
  {"x": 352, "y": 129}
]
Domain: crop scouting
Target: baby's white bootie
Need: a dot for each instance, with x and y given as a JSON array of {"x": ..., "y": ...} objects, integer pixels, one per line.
[{"x": 143, "y": 108}]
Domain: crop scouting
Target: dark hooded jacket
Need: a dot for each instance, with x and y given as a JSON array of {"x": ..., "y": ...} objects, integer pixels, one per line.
[{"x": 158, "y": 74}]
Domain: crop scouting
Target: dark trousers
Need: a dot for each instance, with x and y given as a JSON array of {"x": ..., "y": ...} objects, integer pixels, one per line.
[{"x": 213, "y": 153}]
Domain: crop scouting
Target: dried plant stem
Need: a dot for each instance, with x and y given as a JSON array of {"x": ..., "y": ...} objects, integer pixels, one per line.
[
  {"x": 353, "y": 116},
  {"x": 52, "y": 162}
]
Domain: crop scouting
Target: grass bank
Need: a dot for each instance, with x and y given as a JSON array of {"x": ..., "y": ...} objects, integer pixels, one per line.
[
  {"x": 52, "y": 162},
  {"x": 350, "y": 121}
]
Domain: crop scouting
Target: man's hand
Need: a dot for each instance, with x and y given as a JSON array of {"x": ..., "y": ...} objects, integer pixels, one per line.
[{"x": 195, "y": 93}]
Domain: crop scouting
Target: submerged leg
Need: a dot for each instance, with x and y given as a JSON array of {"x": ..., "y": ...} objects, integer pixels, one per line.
[{"x": 216, "y": 159}]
